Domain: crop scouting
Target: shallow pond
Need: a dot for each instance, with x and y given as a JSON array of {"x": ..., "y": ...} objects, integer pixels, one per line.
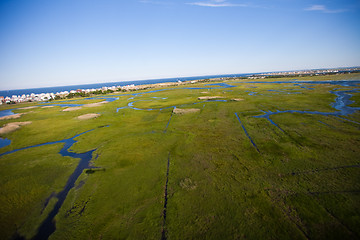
[{"x": 4, "y": 142}]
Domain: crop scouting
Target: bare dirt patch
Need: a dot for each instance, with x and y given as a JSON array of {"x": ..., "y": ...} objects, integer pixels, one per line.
[
  {"x": 95, "y": 104},
  {"x": 188, "y": 184},
  {"x": 88, "y": 116},
  {"x": 10, "y": 127},
  {"x": 14, "y": 116},
  {"x": 47, "y": 106},
  {"x": 185, "y": 110},
  {"x": 237, "y": 99},
  {"x": 209, "y": 97},
  {"x": 70, "y": 109}
]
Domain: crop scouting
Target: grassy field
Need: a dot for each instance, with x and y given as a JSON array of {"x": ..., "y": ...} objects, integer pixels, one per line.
[{"x": 299, "y": 179}]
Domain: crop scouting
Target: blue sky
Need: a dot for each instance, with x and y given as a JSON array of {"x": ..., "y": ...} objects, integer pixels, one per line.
[{"x": 54, "y": 43}]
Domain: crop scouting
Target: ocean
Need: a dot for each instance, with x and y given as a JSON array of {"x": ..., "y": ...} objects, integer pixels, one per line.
[{"x": 9, "y": 93}]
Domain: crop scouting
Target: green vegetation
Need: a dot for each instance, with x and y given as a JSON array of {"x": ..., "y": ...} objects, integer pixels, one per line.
[
  {"x": 304, "y": 182},
  {"x": 83, "y": 94}
]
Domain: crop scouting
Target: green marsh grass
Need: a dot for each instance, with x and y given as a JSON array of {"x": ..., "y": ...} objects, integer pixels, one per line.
[{"x": 299, "y": 185}]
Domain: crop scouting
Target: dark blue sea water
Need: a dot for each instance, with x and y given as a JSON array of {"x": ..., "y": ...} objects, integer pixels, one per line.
[{"x": 9, "y": 93}]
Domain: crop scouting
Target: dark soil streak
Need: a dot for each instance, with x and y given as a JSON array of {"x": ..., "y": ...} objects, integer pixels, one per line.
[
  {"x": 326, "y": 124},
  {"x": 285, "y": 209},
  {"x": 337, "y": 219},
  {"x": 163, "y": 231},
  {"x": 325, "y": 169},
  {"x": 347, "y": 120},
  {"x": 298, "y": 227},
  {"x": 83, "y": 208},
  {"x": 335, "y": 192}
]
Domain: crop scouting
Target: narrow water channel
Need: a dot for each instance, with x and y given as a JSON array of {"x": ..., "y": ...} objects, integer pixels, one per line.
[
  {"x": 163, "y": 230},
  {"x": 341, "y": 105},
  {"x": 48, "y": 226},
  {"x": 8, "y": 112},
  {"x": 246, "y": 133},
  {"x": 167, "y": 125}
]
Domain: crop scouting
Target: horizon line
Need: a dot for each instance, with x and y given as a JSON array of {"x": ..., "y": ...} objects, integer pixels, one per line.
[{"x": 178, "y": 77}]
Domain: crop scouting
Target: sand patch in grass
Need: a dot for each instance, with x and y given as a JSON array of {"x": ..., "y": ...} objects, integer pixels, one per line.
[
  {"x": 185, "y": 110},
  {"x": 10, "y": 127},
  {"x": 70, "y": 109},
  {"x": 95, "y": 104},
  {"x": 88, "y": 116},
  {"x": 30, "y": 107},
  {"x": 209, "y": 97}
]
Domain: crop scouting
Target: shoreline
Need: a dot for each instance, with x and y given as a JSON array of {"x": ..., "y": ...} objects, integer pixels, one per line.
[{"x": 43, "y": 97}]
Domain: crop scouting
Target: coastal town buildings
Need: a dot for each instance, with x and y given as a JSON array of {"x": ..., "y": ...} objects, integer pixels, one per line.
[
  {"x": 132, "y": 87},
  {"x": 63, "y": 94}
]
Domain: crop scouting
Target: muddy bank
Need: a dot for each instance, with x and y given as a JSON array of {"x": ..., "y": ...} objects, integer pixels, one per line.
[{"x": 14, "y": 116}]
